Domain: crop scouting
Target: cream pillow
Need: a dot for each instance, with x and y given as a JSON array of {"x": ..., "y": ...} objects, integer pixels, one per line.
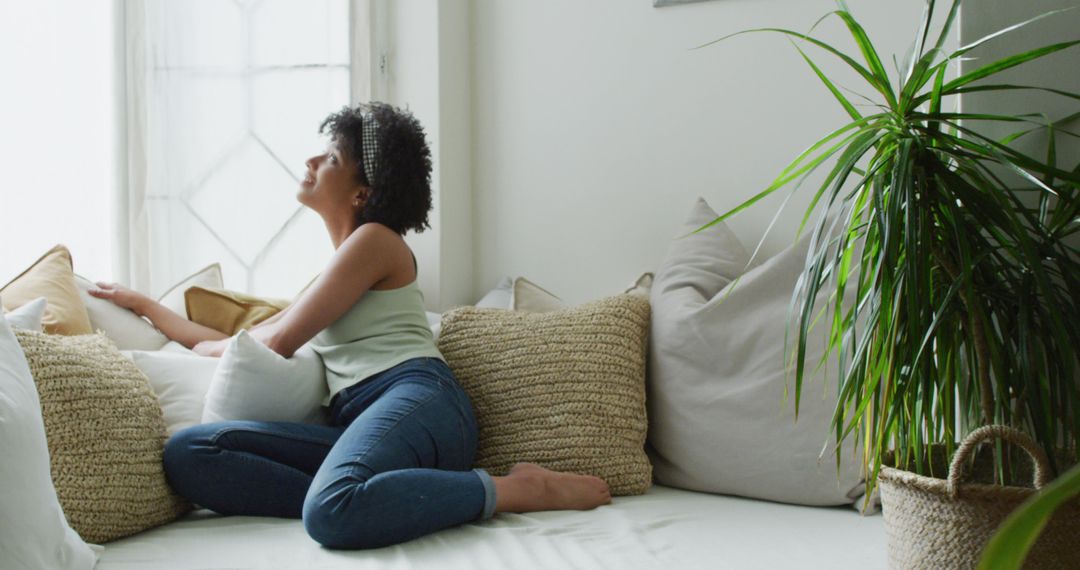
[
  {"x": 253, "y": 382},
  {"x": 180, "y": 382},
  {"x": 528, "y": 296},
  {"x": 718, "y": 418},
  {"x": 520, "y": 294},
  {"x": 50, "y": 277},
  {"x": 565, "y": 389},
  {"x": 128, "y": 330},
  {"x": 105, "y": 435},
  {"x": 209, "y": 276},
  {"x": 33, "y": 531}
]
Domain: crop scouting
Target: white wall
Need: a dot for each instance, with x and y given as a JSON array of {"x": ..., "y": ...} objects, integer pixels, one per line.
[
  {"x": 595, "y": 126},
  {"x": 428, "y": 56},
  {"x": 1060, "y": 70},
  {"x": 56, "y": 119}
]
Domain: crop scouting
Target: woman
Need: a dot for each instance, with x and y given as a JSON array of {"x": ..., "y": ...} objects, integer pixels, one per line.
[{"x": 394, "y": 463}]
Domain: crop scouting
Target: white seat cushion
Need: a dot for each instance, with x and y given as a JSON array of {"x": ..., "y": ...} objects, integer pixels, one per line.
[{"x": 663, "y": 529}]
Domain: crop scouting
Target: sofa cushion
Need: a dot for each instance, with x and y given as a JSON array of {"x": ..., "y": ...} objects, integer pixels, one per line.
[
  {"x": 51, "y": 277},
  {"x": 528, "y": 296},
  {"x": 229, "y": 311},
  {"x": 253, "y": 382},
  {"x": 33, "y": 531},
  {"x": 180, "y": 379},
  {"x": 563, "y": 389},
  {"x": 105, "y": 435},
  {"x": 125, "y": 328},
  {"x": 209, "y": 276},
  {"x": 719, "y": 421},
  {"x": 28, "y": 316}
]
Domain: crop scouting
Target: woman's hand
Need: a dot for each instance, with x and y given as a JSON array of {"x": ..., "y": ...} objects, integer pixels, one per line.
[
  {"x": 211, "y": 347},
  {"x": 121, "y": 296}
]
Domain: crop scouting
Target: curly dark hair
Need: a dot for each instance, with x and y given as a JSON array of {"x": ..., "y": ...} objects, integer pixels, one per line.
[{"x": 401, "y": 185}]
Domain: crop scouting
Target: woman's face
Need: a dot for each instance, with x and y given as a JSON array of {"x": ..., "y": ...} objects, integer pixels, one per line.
[{"x": 330, "y": 182}]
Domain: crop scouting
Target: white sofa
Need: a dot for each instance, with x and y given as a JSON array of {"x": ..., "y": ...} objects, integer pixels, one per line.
[{"x": 664, "y": 528}]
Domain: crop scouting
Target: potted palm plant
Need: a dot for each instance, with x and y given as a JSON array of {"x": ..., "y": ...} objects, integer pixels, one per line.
[{"x": 941, "y": 262}]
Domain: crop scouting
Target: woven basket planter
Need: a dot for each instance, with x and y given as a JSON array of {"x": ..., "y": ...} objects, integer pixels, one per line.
[{"x": 946, "y": 523}]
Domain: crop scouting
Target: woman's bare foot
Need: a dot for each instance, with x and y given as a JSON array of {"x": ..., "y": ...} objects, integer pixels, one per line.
[{"x": 529, "y": 487}]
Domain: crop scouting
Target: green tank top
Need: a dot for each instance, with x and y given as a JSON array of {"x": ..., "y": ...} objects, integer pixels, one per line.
[{"x": 383, "y": 329}]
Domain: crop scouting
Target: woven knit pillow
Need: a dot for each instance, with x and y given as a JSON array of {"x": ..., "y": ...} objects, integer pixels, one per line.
[
  {"x": 105, "y": 434},
  {"x": 564, "y": 389}
]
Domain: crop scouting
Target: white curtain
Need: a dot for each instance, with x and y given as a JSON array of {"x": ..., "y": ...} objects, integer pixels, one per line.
[{"x": 223, "y": 102}]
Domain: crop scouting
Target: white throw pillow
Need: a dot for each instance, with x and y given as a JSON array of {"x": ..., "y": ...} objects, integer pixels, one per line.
[
  {"x": 33, "y": 531},
  {"x": 501, "y": 297},
  {"x": 128, "y": 330},
  {"x": 718, "y": 419},
  {"x": 28, "y": 316},
  {"x": 180, "y": 382},
  {"x": 434, "y": 321},
  {"x": 209, "y": 277},
  {"x": 253, "y": 382}
]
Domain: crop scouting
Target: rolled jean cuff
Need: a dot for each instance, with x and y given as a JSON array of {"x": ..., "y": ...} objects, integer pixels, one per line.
[{"x": 489, "y": 494}]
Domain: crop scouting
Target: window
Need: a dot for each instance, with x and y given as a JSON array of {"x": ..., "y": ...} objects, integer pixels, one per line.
[{"x": 224, "y": 102}]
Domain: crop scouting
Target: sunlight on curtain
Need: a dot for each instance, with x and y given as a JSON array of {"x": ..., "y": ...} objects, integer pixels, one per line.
[
  {"x": 56, "y": 121},
  {"x": 228, "y": 105}
]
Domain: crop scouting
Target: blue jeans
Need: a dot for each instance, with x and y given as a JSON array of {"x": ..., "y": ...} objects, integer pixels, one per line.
[{"x": 393, "y": 466}]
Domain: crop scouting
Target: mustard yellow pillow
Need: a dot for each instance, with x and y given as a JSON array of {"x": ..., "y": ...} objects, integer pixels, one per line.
[
  {"x": 564, "y": 389},
  {"x": 229, "y": 311},
  {"x": 51, "y": 277}
]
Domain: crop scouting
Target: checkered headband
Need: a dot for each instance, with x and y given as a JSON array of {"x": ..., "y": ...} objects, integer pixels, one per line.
[{"x": 369, "y": 140}]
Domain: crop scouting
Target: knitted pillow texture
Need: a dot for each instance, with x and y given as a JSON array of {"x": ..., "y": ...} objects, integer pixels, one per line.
[
  {"x": 105, "y": 434},
  {"x": 563, "y": 389}
]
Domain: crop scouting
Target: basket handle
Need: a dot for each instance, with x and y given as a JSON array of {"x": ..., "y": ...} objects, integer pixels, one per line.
[{"x": 1012, "y": 435}]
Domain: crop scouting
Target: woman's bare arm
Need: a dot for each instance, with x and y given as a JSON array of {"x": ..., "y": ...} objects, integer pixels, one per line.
[{"x": 169, "y": 323}]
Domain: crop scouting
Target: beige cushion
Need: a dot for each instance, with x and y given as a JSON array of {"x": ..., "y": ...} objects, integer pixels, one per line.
[
  {"x": 721, "y": 410},
  {"x": 528, "y": 296},
  {"x": 50, "y": 277},
  {"x": 126, "y": 329},
  {"x": 105, "y": 434},
  {"x": 563, "y": 389},
  {"x": 209, "y": 276},
  {"x": 229, "y": 311}
]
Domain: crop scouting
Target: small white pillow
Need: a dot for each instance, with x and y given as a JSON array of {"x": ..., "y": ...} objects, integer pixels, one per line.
[
  {"x": 434, "y": 321},
  {"x": 33, "y": 531},
  {"x": 28, "y": 317},
  {"x": 642, "y": 286},
  {"x": 126, "y": 329},
  {"x": 180, "y": 382},
  {"x": 209, "y": 277},
  {"x": 253, "y": 382},
  {"x": 501, "y": 297}
]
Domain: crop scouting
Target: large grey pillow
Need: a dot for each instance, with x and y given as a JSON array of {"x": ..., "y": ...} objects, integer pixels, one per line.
[{"x": 718, "y": 418}]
